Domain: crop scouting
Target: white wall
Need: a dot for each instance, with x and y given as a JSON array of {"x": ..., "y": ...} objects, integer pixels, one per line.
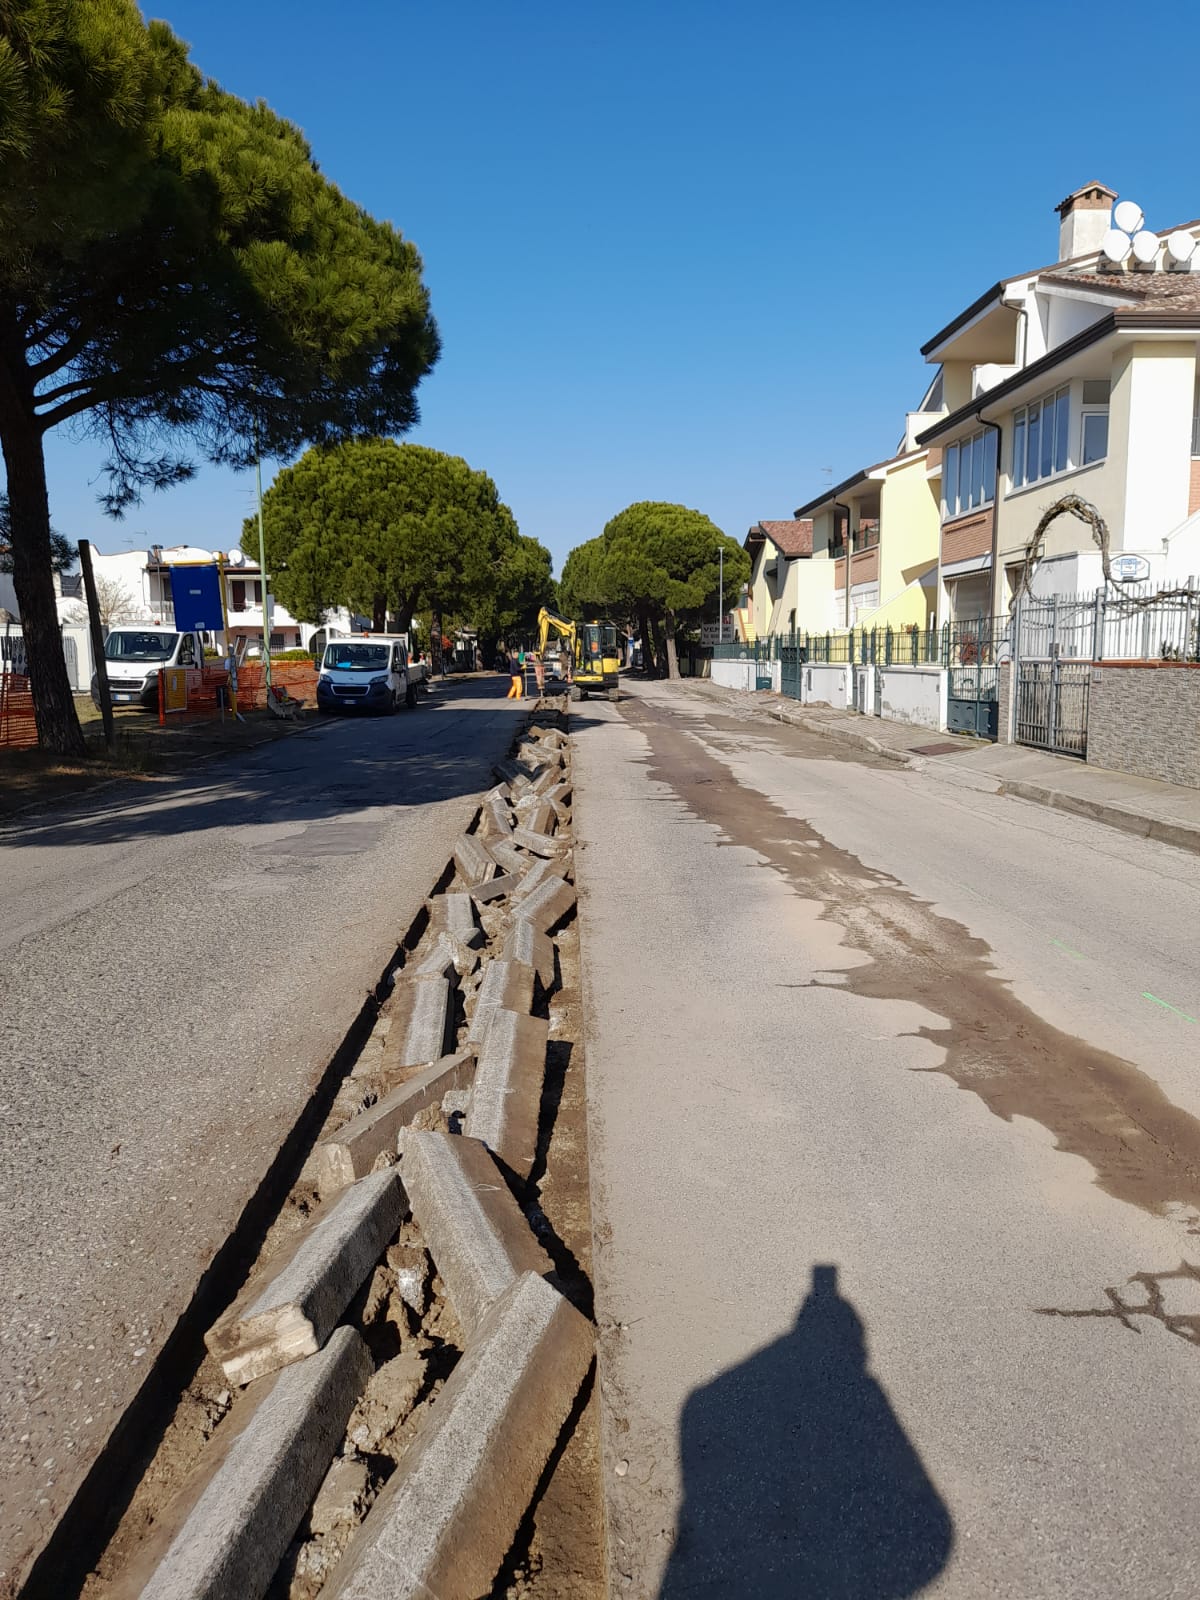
[
  {"x": 914, "y": 694},
  {"x": 734, "y": 674},
  {"x": 827, "y": 682}
]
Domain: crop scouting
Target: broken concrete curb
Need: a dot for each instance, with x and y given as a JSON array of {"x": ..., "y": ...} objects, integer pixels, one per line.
[
  {"x": 447, "y": 1517},
  {"x": 473, "y": 1228},
  {"x": 549, "y": 903},
  {"x": 292, "y": 1315},
  {"x": 421, "y": 1012},
  {"x": 353, "y": 1150},
  {"x": 245, "y": 1508},
  {"x": 506, "y": 1097}
]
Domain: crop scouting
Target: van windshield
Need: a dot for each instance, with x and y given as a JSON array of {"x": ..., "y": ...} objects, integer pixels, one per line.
[
  {"x": 129, "y": 646},
  {"x": 344, "y": 656}
]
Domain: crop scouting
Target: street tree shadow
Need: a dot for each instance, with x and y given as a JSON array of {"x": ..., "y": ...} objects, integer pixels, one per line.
[{"x": 799, "y": 1480}]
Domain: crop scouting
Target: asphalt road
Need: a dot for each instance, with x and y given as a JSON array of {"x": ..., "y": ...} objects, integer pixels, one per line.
[
  {"x": 175, "y": 973},
  {"x": 895, "y": 1140}
]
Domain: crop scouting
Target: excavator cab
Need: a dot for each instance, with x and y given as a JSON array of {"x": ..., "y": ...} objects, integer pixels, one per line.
[{"x": 598, "y": 660}]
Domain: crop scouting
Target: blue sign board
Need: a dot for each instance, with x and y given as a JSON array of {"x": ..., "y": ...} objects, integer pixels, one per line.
[{"x": 196, "y": 595}]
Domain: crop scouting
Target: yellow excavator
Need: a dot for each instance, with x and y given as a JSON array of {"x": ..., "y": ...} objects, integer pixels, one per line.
[{"x": 594, "y": 649}]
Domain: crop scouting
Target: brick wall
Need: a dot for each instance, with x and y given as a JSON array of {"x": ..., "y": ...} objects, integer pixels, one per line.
[
  {"x": 864, "y": 567},
  {"x": 1004, "y": 696},
  {"x": 967, "y": 537},
  {"x": 1146, "y": 720},
  {"x": 1194, "y": 487}
]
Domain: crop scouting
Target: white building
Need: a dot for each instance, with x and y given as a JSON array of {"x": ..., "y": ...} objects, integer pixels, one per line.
[
  {"x": 145, "y": 578},
  {"x": 1077, "y": 378}
]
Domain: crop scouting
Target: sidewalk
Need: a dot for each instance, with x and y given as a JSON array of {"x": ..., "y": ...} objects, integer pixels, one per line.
[{"x": 1144, "y": 806}]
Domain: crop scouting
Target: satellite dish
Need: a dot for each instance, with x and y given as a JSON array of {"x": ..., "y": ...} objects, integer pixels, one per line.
[
  {"x": 1181, "y": 246},
  {"x": 1145, "y": 248},
  {"x": 1127, "y": 214},
  {"x": 1115, "y": 246}
]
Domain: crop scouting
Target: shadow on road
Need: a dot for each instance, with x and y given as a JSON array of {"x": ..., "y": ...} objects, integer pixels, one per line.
[
  {"x": 799, "y": 1480},
  {"x": 443, "y": 749}
]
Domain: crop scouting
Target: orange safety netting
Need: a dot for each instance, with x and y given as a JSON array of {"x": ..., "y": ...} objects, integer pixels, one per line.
[
  {"x": 18, "y": 730},
  {"x": 299, "y": 678}
]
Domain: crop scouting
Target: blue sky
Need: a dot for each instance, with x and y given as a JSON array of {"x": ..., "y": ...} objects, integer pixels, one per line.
[{"x": 688, "y": 251}]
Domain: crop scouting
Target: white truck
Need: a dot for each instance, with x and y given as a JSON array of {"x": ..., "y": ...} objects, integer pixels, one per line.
[
  {"x": 367, "y": 672},
  {"x": 134, "y": 653}
]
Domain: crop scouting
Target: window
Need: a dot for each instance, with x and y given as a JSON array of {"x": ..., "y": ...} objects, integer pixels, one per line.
[
  {"x": 969, "y": 474},
  {"x": 187, "y": 651},
  {"x": 1095, "y": 437},
  {"x": 1042, "y": 438}
]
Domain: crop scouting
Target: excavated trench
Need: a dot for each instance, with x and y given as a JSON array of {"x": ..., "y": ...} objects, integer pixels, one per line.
[{"x": 403, "y": 1314}]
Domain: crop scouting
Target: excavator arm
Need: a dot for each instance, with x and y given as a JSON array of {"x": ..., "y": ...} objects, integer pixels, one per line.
[{"x": 550, "y": 622}]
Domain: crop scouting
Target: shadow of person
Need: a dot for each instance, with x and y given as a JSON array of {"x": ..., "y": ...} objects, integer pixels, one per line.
[{"x": 798, "y": 1480}]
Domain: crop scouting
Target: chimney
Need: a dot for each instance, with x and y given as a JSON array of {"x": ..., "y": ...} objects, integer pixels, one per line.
[{"x": 1085, "y": 220}]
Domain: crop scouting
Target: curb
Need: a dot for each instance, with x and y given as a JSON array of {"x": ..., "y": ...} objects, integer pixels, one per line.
[
  {"x": 1174, "y": 833},
  {"x": 1179, "y": 834}
]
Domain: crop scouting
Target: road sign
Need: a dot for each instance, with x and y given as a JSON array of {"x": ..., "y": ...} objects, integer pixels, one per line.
[{"x": 196, "y": 597}]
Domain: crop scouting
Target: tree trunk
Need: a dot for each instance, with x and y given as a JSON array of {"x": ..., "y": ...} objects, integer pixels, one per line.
[
  {"x": 379, "y": 614},
  {"x": 672, "y": 658},
  {"x": 29, "y": 511},
  {"x": 660, "y": 648},
  {"x": 404, "y": 615},
  {"x": 435, "y": 638},
  {"x": 643, "y": 614}
]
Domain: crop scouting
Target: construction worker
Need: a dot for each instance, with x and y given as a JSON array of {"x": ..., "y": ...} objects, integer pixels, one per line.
[{"x": 517, "y": 673}]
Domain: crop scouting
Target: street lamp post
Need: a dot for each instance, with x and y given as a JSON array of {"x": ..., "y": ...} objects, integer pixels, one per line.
[{"x": 721, "y": 596}]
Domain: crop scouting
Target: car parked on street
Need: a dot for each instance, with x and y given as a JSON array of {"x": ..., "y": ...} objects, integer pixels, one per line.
[{"x": 367, "y": 672}]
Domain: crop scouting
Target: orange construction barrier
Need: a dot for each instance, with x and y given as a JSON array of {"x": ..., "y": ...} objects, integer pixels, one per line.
[{"x": 18, "y": 729}]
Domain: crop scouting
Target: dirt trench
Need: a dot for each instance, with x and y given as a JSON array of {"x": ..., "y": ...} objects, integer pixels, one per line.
[{"x": 413, "y": 1336}]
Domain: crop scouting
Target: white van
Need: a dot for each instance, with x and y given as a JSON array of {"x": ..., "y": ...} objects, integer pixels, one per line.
[
  {"x": 134, "y": 653},
  {"x": 366, "y": 672}
]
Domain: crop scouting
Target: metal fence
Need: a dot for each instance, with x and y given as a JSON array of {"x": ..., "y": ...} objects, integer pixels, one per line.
[
  {"x": 1135, "y": 622},
  {"x": 855, "y": 647}
]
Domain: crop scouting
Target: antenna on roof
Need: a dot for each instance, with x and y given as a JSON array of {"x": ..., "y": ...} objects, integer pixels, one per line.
[
  {"x": 1116, "y": 246},
  {"x": 1181, "y": 250},
  {"x": 1145, "y": 250},
  {"x": 1128, "y": 216}
]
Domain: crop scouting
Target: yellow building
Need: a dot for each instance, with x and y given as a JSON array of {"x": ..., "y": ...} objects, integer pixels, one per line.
[{"x": 883, "y": 523}]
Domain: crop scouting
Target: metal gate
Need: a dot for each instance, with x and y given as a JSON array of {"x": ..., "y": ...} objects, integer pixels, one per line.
[
  {"x": 972, "y": 648},
  {"x": 877, "y": 694},
  {"x": 1052, "y": 705},
  {"x": 791, "y": 661}
]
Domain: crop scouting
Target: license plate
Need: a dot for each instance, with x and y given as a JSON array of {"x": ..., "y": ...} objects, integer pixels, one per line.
[{"x": 122, "y": 697}]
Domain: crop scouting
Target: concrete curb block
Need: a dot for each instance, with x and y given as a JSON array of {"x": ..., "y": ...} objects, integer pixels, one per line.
[
  {"x": 249, "y": 1496},
  {"x": 352, "y": 1151},
  {"x": 454, "y": 913},
  {"x": 472, "y": 1226},
  {"x": 422, "y": 1017},
  {"x": 506, "y": 986},
  {"x": 473, "y": 861},
  {"x": 448, "y": 1514},
  {"x": 526, "y": 944},
  {"x": 293, "y": 1313},
  {"x": 495, "y": 888},
  {"x": 506, "y": 855},
  {"x": 506, "y": 1098},
  {"x": 538, "y": 844},
  {"x": 548, "y": 904}
]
